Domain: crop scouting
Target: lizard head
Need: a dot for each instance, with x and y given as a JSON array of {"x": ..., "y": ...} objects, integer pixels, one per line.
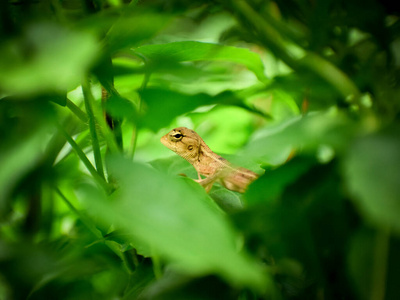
[{"x": 183, "y": 141}]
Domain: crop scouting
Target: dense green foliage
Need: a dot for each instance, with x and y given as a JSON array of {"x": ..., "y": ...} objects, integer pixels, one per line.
[{"x": 305, "y": 93}]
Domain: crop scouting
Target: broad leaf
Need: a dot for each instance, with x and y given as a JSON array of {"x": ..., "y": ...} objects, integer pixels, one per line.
[
  {"x": 161, "y": 106},
  {"x": 273, "y": 144},
  {"x": 58, "y": 60},
  {"x": 271, "y": 185},
  {"x": 133, "y": 28},
  {"x": 17, "y": 161},
  {"x": 197, "y": 51},
  {"x": 372, "y": 170},
  {"x": 178, "y": 221}
]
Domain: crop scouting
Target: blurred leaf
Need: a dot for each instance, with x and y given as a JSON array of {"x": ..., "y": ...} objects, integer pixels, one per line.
[
  {"x": 372, "y": 171},
  {"x": 272, "y": 184},
  {"x": 17, "y": 161},
  {"x": 174, "y": 165},
  {"x": 121, "y": 108},
  {"x": 48, "y": 58},
  {"x": 59, "y": 98},
  {"x": 227, "y": 200},
  {"x": 225, "y": 129},
  {"x": 373, "y": 263},
  {"x": 175, "y": 286},
  {"x": 273, "y": 144},
  {"x": 134, "y": 27},
  {"x": 362, "y": 251},
  {"x": 162, "y": 106},
  {"x": 139, "y": 280},
  {"x": 178, "y": 221},
  {"x": 196, "y": 51}
]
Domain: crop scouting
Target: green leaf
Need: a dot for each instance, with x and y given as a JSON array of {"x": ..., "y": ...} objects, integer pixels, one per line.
[
  {"x": 58, "y": 59},
  {"x": 227, "y": 200},
  {"x": 274, "y": 143},
  {"x": 162, "y": 105},
  {"x": 120, "y": 108},
  {"x": 134, "y": 27},
  {"x": 179, "y": 221},
  {"x": 17, "y": 161},
  {"x": 372, "y": 171},
  {"x": 271, "y": 185},
  {"x": 174, "y": 165},
  {"x": 197, "y": 51}
]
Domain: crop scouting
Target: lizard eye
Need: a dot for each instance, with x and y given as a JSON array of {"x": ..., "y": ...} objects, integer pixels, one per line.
[
  {"x": 176, "y": 137},
  {"x": 190, "y": 147}
]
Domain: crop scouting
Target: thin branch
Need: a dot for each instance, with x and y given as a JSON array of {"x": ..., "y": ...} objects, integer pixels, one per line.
[
  {"x": 77, "y": 111},
  {"x": 88, "y": 223},
  {"x": 92, "y": 127},
  {"x": 101, "y": 122},
  {"x": 135, "y": 127},
  {"x": 100, "y": 180},
  {"x": 380, "y": 264}
]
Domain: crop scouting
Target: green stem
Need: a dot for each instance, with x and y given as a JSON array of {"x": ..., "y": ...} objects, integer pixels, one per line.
[
  {"x": 77, "y": 111},
  {"x": 92, "y": 127},
  {"x": 380, "y": 264},
  {"x": 135, "y": 128},
  {"x": 294, "y": 55},
  {"x": 98, "y": 116},
  {"x": 157, "y": 267},
  {"x": 88, "y": 223},
  {"x": 100, "y": 180}
]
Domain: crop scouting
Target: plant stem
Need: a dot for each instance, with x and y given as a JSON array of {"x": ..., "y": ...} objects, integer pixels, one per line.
[
  {"x": 77, "y": 111},
  {"x": 135, "y": 127},
  {"x": 101, "y": 122},
  {"x": 380, "y": 264},
  {"x": 294, "y": 55},
  {"x": 100, "y": 180},
  {"x": 88, "y": 223},
  {"x": 92, "y": 127}
]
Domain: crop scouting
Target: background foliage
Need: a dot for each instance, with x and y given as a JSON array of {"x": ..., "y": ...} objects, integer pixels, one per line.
[{"x": 305, "y": 93}]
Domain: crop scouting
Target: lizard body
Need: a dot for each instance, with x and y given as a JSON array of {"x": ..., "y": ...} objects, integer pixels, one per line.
[{"x": 189, "y": 145}]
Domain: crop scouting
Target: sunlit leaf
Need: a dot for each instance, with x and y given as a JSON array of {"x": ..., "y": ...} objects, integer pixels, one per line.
[
  {"x": 162, "y": 105},
  {"x": 178, "y": 221},
  {"x": 197, "y": 51}
]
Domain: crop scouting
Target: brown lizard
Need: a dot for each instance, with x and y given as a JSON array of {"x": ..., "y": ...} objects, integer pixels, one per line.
[{"x": 189, "y": 145}]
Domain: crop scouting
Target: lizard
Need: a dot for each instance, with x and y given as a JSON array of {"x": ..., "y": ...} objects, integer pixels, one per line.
[{"x": 189, "y": 145}]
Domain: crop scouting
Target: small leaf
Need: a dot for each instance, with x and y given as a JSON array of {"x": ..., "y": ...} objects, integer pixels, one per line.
[{"x": 227, "y": 200}]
